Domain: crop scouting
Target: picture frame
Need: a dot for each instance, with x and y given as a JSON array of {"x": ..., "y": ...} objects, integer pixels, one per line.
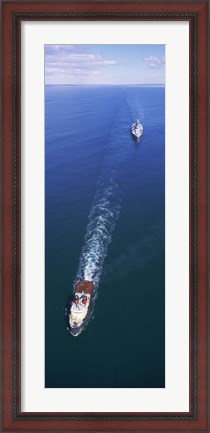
[{"x": 13, "y": 14}]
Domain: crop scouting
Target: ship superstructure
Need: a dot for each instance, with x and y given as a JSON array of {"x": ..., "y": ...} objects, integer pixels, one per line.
[
  {"x": 81, "y": 306},
  {"x": 137, "y": 129}
]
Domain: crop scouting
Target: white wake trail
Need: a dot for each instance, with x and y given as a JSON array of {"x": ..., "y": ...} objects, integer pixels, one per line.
[
  {"x": 101, "y": 222},
  {"x": 105, "y": 209}
]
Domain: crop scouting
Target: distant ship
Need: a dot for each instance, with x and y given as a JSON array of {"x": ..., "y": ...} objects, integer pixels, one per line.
[
  {"x": 137, "y": 129},
  {"x": 80, "y": 307}
]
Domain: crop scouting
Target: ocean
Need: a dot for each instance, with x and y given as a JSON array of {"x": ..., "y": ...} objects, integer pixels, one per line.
[{"x": 105, "y": 220}]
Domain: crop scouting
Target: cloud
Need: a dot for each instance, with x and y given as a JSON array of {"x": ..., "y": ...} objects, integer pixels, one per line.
[
  {"x": 53, "y": 48},
  {"x": 62, "y": 59},
  {"x": 88, "y": 59},
  {"x": 155, "y": 62}
]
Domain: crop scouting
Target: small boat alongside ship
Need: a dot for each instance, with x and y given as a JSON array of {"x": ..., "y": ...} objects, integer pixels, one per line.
[
  {"x": 137, "y": 129},
  {"x": 80, "y": 307}
]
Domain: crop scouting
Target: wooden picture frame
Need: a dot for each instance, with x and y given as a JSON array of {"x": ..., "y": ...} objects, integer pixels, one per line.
[{"x": 13, "y": 13}]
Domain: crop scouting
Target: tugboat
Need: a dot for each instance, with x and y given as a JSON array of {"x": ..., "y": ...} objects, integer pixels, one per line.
[
  {"x": 137, "y": 129},
  {"x": 80, "y": 308}
]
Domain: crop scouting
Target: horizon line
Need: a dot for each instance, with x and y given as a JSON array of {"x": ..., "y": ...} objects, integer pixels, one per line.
[{"x": 102, "y": 84}]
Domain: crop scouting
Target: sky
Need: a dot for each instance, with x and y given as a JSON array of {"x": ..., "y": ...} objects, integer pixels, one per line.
[{"x": 104, "y": 64}]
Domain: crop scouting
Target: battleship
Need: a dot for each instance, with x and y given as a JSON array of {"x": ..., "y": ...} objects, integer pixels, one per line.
[{"x": 137, "y": 129}]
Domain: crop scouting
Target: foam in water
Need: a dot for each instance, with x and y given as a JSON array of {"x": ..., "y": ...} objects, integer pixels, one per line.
[{"x": 102, "y": 218}]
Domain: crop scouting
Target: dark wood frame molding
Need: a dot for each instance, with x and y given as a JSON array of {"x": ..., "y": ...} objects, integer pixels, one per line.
[{"x": 196, "y": 12}]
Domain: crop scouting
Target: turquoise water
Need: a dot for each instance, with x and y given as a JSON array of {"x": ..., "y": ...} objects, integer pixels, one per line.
[{"x": 105, "y": 220}]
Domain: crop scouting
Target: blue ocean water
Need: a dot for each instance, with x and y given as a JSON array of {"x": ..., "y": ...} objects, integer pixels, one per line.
[{"x": 105, "y": 220}]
